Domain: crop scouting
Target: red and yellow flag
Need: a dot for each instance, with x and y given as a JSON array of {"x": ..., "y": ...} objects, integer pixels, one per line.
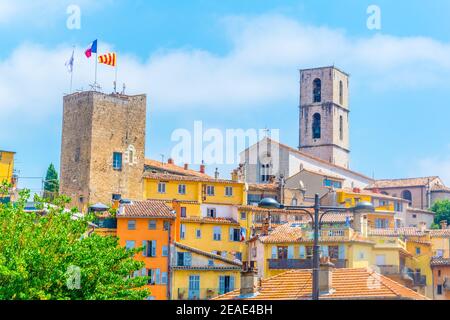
[{"x": 109, "y": 59}]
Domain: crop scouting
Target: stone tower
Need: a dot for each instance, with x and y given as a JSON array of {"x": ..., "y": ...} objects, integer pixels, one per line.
[
  {"x": 324, "y": 114},
  {"x": 103, "y": 148}
]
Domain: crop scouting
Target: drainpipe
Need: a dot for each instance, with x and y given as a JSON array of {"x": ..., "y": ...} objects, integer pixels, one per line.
[{"x": 169, "y": 258}]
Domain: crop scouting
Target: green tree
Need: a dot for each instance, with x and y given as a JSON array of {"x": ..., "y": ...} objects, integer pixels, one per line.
[
  {"x": 51, "y": 183},
  {"x": 441, "y": 209},
  {"x": 54, "y": 256}
]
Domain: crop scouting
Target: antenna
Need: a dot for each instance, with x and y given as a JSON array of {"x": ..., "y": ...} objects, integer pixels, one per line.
[
  {"x": 162, "y": 157},
  {"x": 115, "y": 86},
  {"x": 95, "y": 87},
  {"x": 123, "y": 90}
]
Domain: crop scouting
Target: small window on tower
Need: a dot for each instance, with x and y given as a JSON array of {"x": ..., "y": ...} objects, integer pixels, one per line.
[
  {"x": 341, "y": 93},
  {"x": 117, "y": 161},
  {"x": 131, "y": 154},
  {"x": 341, "y": 128},
  {"x": 316, "y": 126},
  {"x": 317, "y": 90}
]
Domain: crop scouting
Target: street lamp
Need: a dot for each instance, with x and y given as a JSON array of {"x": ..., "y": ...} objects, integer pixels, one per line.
[{"x": 316, "y": 219}]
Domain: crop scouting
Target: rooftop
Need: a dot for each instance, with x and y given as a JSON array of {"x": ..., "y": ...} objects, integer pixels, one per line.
[
  {"x": 440, "y": 262},
  {"x": 170, "y": 167},
  {"x": 144, "y": 209},
  {"x": 175, "y": 177},
  {"x": 348, "y": 284},
  {"x": 399, "y": 183}
]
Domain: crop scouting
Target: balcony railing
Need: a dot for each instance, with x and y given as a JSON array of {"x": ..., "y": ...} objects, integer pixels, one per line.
[
  {"x": 288, "y": 264},
  {"x": 199, "y": 294},
  {"x": 416, "y": 278}
]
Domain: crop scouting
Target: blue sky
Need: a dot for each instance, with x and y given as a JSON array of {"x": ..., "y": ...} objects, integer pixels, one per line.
[{"x": 234, "y": 64}]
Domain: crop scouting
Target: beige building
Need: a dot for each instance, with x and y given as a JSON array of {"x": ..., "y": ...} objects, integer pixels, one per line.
[
  {"x": 103, "y": 145},
  {"x": 420, "y": 192}
]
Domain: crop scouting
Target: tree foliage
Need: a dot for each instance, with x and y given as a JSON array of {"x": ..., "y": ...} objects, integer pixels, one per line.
[
  {"x": 53, "y": 256},
  {"x": 441, "y": 209},
  {"x": 51, "y": 183}
]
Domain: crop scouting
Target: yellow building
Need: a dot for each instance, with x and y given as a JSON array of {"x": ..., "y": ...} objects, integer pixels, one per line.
[
  {"x": 7, "y": 171},
  {"x": 207, "y": 223}
]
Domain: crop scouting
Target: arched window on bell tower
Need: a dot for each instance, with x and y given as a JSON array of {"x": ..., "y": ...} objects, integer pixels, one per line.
[
  {"x": 316, "y": 127},
  {"x": 317, "y": 90}
]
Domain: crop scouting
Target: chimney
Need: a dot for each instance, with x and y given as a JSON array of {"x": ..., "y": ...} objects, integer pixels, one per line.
[
  {"x": 265, "y": 227},
  {"x": 376, "y": 190},
  {"x": 186, "y": 166},
  {"x": 249, "y": 281},
  {"x": 360, "y": 223},
  {"x": 234, "y": 176},
  {"x": 443, "y": 224},
  {"x": 216, "y": 174},
  {"x": 170, "y": 161},
  {"x": 202, "y": 168},
  {"x": 326, "y": 276},
  {"x": 423, "y": 226},
  {"x": 356, "y": 190}
]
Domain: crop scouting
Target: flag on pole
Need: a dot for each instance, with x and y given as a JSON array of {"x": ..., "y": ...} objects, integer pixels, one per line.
[
  {"x": 69, "y": 63},
  {"x": 108, "y": 59},
  {"x": 92, "y": 49}
]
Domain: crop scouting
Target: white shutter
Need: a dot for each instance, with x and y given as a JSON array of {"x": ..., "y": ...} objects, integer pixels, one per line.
[
  {"x": 274, "y": 252},
  {"x": 291, "y": 252},
  {"x": 302, "y": 252}
]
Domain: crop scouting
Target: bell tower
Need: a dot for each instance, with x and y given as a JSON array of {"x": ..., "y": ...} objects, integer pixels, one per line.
[{"x": 324, "y": 114}]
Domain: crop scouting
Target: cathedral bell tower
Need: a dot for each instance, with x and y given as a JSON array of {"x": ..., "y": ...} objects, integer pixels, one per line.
[{"x": 324, "y": 115}]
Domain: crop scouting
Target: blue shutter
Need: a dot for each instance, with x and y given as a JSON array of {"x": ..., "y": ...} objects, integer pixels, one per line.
[
  {"x": 221, "y": 284},
  {"x": 325, "y": 251},
  {"x": 152, "y": 276},
  {"x": 158, "y": 276},
  {"x": 291, "y": 252},
  {"x": 341, "y": 252},
  {"x": 302, "y": 252},
  {"x": 231, "y": 232},
  {"x": 144, "y": 251},
  {"x": 274, "y": 252},
  {"x": 187, "y": 259},
  {"x": 153, "y": 248},
  {"x": 231, "y": 283}
]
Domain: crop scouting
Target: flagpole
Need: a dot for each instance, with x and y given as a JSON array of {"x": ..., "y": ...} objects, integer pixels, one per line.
[
  {"x": 96, "y": 64},
  {"x": 115, "y": 81}
]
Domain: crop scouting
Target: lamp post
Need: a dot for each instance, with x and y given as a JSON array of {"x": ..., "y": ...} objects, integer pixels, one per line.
[{"x": 316, "y": 220}]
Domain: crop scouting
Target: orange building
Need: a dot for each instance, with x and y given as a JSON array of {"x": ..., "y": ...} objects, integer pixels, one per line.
[
  {"x": 149, "y": 225},
  {"x": 441, "y": 278}
]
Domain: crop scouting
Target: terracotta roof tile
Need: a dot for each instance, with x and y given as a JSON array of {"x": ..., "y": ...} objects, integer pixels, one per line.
[
  {"x": 172, "y": 168},
  {"x": 271, "y": 187},
  {"x": 438, "y": 262},
  {"x": 440, "y": 188},
  {"x": 144, "y": 209},
  {"x": 410, "y": 209},
  {"x": 348, "y": 284},
  {"x": 408, "y": 232},
  {"x": 440, "y": 233},
  {"x": 174, "y": 177},
  {"x": 398, "y": 183}
]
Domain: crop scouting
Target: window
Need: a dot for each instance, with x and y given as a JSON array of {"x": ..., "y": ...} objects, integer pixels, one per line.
[
  {"x": 333, "y": 252},
  {"x": 439, "y": 289},
  {"x": 243, "y": 215},
  {"x": 166, "y": 225},
  {"x": 228, "y": 191},
  {"x": 131, "y": 152},
  {"x": 154, "y": 276},
  {"x": 226, "y": 284},
  {"x": 398, "y": 206},
  {"x": 439, "y": 273},
  {"x": 414, "y": 216},
  {"x": 265, "y": 172},
  {"x": 317, "y": 90},
  {"x": 316, "y": 127},
  {"x": 440, "y": 253},
  {"x": 238, "y": 256},
  {"x": 210, "y": 190},
  {"x": 184, "y": 259},
  {"x": 198, "y": 233},
  {"x": 341, "y": 128},
  {"x": 341, "y": 93},
  {"x": 183, "y": 212},
  {"x": 211, "y": 212},
  {"x": 131, "y": 224},
  {"x": 332, "y": 184},
  {"x": 418, "y": 251},
  {"x": 294, "y": 202},
  {"x": 217, "y": 234},
  {"x": 235, "y": 235},
  {"x": 117, "y": 161},
  {"x": 164, "y": 278},
  {"x": 165, "y": 251},
  {"x": 282, "y": 253},
  {"x": 130, "y": 244},
  {"x": 152, "y": 225},
  {"x": 116, "y": 197},
  {"x": 181, "y": 189},
  {"x": 381, "y": 223},
  {"x": 77, "y": 155},
  {"x": 149, "y": 248},
  {"x": 406, "y": 194},
  {"x": 275, "y": 218},
  {"x": 162, "y": 187},
  {"x": 182, "y": 231},
  {"x": 210, "y": 263}
]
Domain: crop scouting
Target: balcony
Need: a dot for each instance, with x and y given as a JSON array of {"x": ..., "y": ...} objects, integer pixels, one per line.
[
  {"x": 417, "y": 279},
  {"x": 330, "y": 234},
  {"x": 289, "y": 264},
  {"x": 198, "y": 294},
  {"x": 388, "y": 242}
]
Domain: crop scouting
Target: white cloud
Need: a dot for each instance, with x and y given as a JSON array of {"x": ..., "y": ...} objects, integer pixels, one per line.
[{"x": 260, "y": 69}]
